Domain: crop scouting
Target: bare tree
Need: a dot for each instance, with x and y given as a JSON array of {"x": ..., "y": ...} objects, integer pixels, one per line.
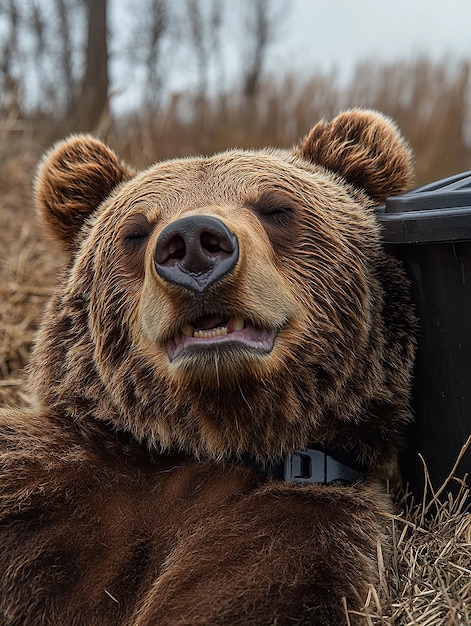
[
  {"x": 216, "y": 19},
  {"x": 93, "y": 102},
  {"x": 37, "y": 26},
  {"x": 154, "y": 26},
  {"x": 9, "y": 53},
  {"x": 204, "y": 27},
  {"x": 158, "y": 23},
  {"x": 40, "y": 46},
  {"x": 66, "y": 51},
  {"x": 197, "y": 32},
  {"x": 263, "y": 20}
]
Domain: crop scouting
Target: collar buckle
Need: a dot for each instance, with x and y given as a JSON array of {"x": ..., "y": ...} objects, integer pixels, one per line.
[
  {"x": 305, "y": 466},
  {"x": 310, "y": 466}
]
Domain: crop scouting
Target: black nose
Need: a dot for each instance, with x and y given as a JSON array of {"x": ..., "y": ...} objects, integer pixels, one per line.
[{"x": 195, "y": 252}]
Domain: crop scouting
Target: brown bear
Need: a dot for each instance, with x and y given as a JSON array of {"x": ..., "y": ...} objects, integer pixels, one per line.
[{"x": 219, "y": 387}]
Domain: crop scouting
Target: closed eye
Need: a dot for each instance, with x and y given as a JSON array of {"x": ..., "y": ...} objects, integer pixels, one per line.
[
  {"x": 136, "y": 231},
  {"x": 280, "y": 216},
  {"x": 275, "y": 208},
  {"x": 277, "y": 215}
]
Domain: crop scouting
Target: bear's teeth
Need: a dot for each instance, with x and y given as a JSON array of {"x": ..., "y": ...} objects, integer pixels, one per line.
[
  {"x": 187, "y": 330},
  {"x": 235, "y": 323},
  {"x": 238, "y": 323},
  {"x": 212, "y": 332}
]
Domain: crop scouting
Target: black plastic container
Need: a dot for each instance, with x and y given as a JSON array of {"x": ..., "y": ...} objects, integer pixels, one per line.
[{"x": 429, "y": 230}]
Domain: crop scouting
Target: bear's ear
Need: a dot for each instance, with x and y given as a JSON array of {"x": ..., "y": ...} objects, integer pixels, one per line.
[
  {"x": 73, "y": 179},
  {"x": 366, "y": 148}
]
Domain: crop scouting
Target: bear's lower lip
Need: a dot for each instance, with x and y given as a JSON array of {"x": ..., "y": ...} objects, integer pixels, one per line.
[{"x": 222, "y": 337}]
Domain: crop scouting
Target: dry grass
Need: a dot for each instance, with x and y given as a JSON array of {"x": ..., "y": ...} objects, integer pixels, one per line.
[
  {"x": 427, "y": 579},
  {"x": 27, "y": 269}
]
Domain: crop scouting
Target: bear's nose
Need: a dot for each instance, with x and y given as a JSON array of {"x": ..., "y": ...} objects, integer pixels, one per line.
[{"x": 195, "y": 252}]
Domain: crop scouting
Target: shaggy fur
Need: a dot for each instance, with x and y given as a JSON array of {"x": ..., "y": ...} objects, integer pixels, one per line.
[{"x": 122, "y": 499}]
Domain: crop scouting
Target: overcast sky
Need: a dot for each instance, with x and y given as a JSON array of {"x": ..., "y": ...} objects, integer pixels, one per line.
[{"x": 327, "y": 33}]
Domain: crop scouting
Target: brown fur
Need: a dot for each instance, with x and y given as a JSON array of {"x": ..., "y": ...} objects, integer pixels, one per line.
[{"x": 121, "y": 502}]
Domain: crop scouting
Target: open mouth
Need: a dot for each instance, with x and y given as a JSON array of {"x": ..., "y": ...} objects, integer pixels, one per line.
[{"x": 213, "y": 332}]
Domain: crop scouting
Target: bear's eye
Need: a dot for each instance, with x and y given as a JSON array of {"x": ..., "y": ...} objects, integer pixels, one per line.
[
  {"x": 276, "y": 215},
  {"x": 136, "y": 230},
  {"x": 276, "y": 209}
]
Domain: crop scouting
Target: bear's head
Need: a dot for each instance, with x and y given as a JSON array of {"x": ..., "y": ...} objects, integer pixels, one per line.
[{"x": 239, "y": 303}]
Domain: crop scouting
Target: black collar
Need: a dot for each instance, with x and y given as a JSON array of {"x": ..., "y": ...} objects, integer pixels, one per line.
[{"x": 311, "y": 465}]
